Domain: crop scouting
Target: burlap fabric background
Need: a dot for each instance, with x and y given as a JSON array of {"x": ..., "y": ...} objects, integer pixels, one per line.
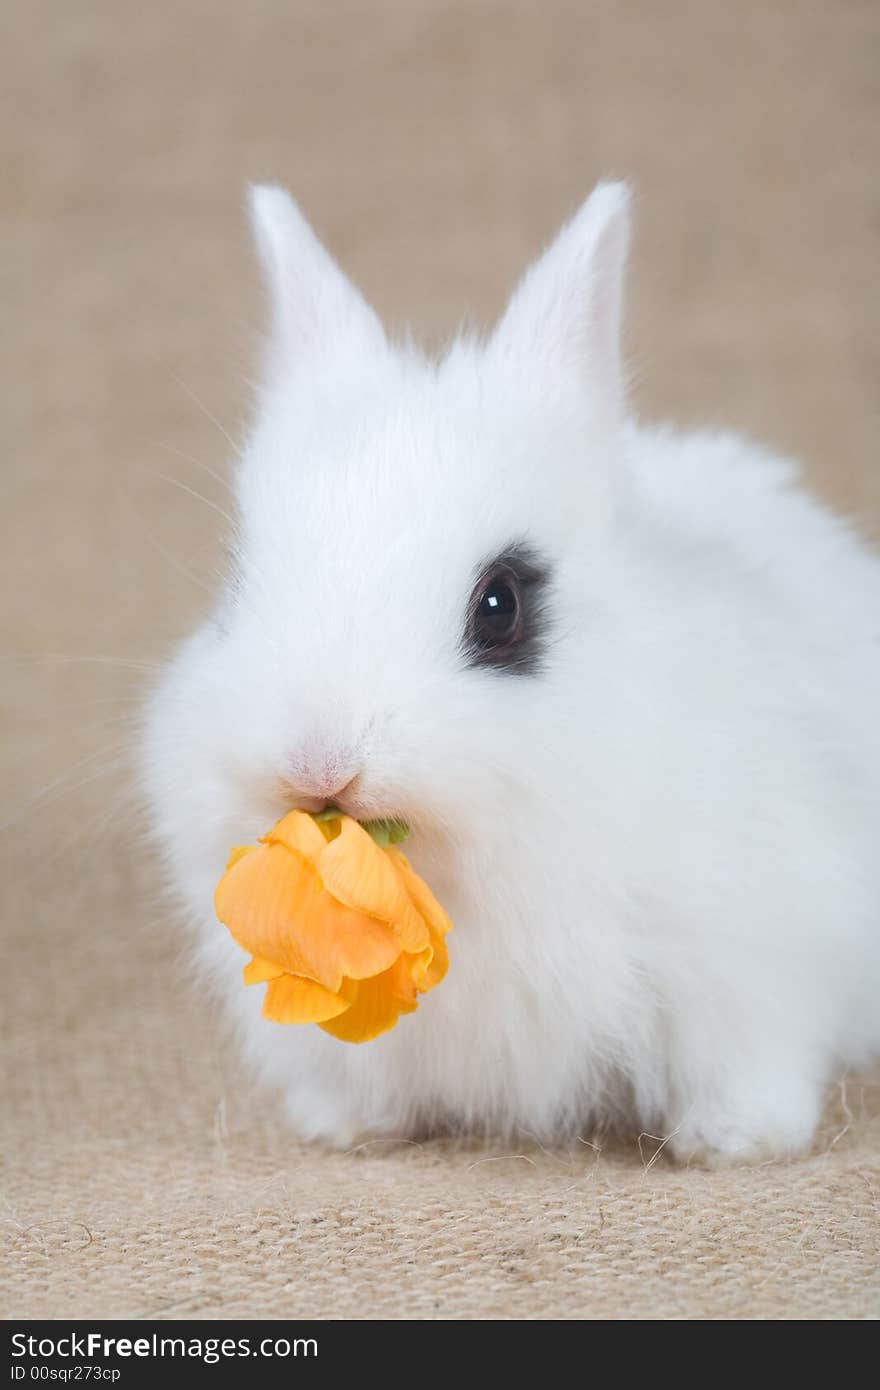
[{"x": 435, "y": 145}]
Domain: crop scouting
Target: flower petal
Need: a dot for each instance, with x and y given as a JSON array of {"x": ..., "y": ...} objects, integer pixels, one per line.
[
  {"x": 361, "y": 875},
  {"x": 290, "y": 999},
  {"x": 238, "y": 852},
  {"x": 428, "y": 973},
  {"x": 275, "y": 906},
  {"x": 260, "y": 898},
  {"x": 420, "y": 895},
  {"x": 299, "y": 832},
  {"x": 346, "y": 942},
  {"x": 376, "y": 1005},
  {"x": 258, "y": 971}
]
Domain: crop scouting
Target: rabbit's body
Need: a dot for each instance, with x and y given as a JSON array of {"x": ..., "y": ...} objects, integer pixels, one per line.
[{"x": 656, "y": 838}]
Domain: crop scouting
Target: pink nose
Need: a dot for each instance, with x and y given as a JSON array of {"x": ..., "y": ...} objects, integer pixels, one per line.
[{"x": 315, "y": 781}]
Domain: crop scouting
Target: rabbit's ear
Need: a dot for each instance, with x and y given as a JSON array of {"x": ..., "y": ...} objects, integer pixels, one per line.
[
  {"x": 565, "y": 314},
  {"x": 315, "y": 309}
]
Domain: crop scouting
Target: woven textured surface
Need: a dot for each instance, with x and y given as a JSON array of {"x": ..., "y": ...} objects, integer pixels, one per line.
[{"x": 435, "y": 145}]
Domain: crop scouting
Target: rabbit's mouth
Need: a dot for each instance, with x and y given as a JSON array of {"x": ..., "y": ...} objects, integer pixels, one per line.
[{"x": 351, "y": 801}]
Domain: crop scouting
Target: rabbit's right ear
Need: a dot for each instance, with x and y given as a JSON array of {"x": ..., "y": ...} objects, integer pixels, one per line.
[
  {"x": 564, "y": 317},
  {"x": 316, "y": 310}
]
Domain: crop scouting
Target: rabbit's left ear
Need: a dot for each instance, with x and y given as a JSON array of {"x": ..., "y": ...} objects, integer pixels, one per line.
[{"x": 564, "y": 317}]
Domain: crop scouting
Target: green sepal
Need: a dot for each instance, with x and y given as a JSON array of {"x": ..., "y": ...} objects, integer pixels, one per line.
[{"x": 386, "y": 832}]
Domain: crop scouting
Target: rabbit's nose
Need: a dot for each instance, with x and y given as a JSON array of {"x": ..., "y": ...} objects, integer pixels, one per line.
[{"x": 314, "y": 781}]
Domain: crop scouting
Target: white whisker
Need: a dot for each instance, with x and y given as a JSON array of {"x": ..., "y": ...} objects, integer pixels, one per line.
[
  {"x": 49, "y": 658},
  {"x": 197, "y": 463},
  {"x": 202, "y": 407},
  {"x": 166, "y": 555},
  {"x": 199, "y": 496}
]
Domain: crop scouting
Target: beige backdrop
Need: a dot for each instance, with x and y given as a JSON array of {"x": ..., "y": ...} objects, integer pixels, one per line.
[{"x": 436, "y": 146}]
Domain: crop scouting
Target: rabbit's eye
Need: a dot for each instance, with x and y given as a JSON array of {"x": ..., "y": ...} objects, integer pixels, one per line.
[
  {"x": 497, "y": 620},
  {"x": 506, "y": 617}
]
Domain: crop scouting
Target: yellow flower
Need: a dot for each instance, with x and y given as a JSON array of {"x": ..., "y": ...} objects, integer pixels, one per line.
[{"x": 340, "y": 927}]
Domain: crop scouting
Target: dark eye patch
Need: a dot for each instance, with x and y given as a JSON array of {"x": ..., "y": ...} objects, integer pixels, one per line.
[{"x": 507, "y": 622}]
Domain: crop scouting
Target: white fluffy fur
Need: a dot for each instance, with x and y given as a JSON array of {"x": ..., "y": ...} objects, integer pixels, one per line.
[{"x": 661, "y": 853}]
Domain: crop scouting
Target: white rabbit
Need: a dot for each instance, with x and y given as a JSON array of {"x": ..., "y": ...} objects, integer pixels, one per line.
[{"x": 623, "y": 683}]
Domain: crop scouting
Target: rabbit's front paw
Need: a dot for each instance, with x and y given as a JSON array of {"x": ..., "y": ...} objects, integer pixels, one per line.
[
  {"x": 771, "y": 1119},
  {"x": 325, "y": 1118}
]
